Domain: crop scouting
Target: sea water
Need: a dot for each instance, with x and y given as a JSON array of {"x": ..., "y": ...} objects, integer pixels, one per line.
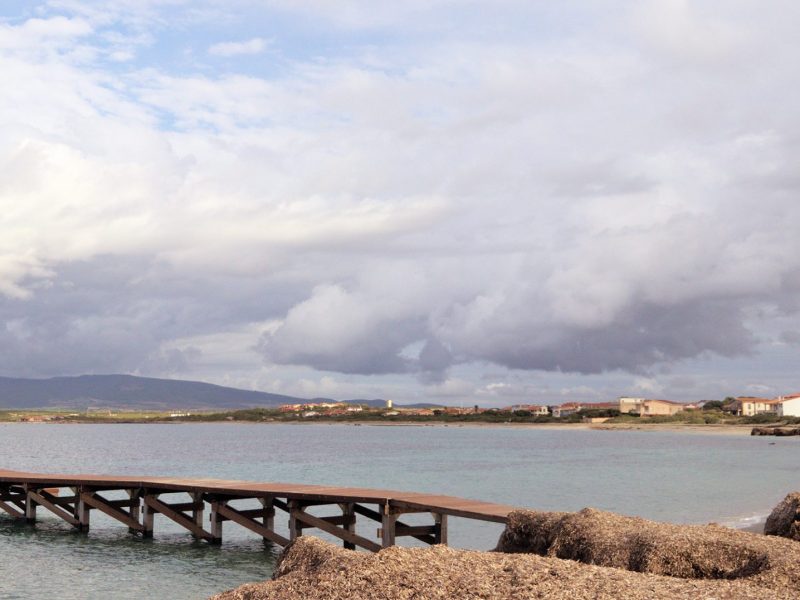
[{"x": 680, "y": 477}]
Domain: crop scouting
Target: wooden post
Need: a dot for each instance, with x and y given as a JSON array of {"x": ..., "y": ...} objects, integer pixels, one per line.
[
  {"x": 30, "y": 505},
  {"x": 84, "y": 511},
  {"x": 295, "y": 528},
  {"x": 216, "y": 523},
  {"x": 199, "y": 508},
  {"x": 76, "y": 506},
  {"x": 135, "y": 509},
  {"x": 348, "y": 512},
  {"x": 148, "y": 518},
  {"x": 441, "y": 528},
  {"x": 388, "y": 524},
  {"x": 267, "y": 516}
]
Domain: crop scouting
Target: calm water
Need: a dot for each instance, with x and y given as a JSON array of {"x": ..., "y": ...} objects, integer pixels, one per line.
[{"x": 678, "y": 477}]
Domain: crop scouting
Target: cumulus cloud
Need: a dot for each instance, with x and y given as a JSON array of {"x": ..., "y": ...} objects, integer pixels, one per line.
[{"x": 610, "y": 200}]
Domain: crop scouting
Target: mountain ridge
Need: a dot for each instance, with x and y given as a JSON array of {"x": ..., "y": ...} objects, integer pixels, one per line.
[{"x": 131, "y": 391}]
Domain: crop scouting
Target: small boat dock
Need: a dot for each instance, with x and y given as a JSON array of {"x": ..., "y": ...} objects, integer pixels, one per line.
[{"x": 134, "y": 502}]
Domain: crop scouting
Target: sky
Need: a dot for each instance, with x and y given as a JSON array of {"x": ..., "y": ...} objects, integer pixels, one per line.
[{"x": 455, "y": 201}]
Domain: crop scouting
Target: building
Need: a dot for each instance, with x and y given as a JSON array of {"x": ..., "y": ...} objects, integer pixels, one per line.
[
  {"x": 630, "y": 405},
  {"x": 534, "y": 409},
  {"x": 748, "y": 406},
  {"x": 566, "y": 409},
  {"x": 789, "y": 406},
  {"x": 660, "y": 408}
]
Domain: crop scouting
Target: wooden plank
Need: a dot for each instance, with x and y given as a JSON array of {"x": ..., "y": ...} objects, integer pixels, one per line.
[
  {"x": 337, "y": 520},
  {"x": 415, "y": 530},
  {"x": 252, "y": 513},
  {"x": 180, "y": 506},
  {"x": 106, "y": 506},
  {"x": 238, "y": 517},
  {"x": 44, "y": 499},
  {"x": 367, "y": 512},
  {"x": 17, "y": 514},
  {"x": 342, "y": 534},
  {"x": 67, "y": 501},
  {"x": 464, "y": 510},
  {"x": 179, "y": 518},
  {"x": 13, "y": 497}
]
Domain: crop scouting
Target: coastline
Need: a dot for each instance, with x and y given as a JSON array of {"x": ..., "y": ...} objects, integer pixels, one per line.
[{"x": 716, "y": 429}]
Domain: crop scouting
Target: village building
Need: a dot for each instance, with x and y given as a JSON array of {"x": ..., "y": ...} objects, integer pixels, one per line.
[
  {"x": 748, "y": 406},
  {"x": 566, "y": 409},
  {"x": 660, "y": 408},
  {"x": 534, "y": 409},
  {"x": 629, "y": 405},
  {"x": 789, "y": 406}
]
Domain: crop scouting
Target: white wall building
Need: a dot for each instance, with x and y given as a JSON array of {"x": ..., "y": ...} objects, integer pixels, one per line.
[{"x": 789, "y": 406}]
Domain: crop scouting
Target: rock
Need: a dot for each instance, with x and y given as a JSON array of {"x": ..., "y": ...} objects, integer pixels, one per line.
[
  {"x": 785, "y": 518},
  {"x": 778, "y": 431}
]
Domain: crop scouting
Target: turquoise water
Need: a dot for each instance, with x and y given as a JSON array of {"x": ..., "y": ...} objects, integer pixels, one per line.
[{"x": 677, "y": 477}]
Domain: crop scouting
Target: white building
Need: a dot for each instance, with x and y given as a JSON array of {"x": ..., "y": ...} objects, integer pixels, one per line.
[
  {"x": 789, "y": 406},
  {"x": 629, "y": 405}
]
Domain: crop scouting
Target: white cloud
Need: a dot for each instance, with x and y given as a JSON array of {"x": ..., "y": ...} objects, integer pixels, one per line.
[
  {"x": 587, "y": 204},
  {"x": 228, "y": 49}
]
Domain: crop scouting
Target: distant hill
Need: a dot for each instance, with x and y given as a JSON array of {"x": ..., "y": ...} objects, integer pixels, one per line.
[
  {"x": 144, "y": 393},
  {"x": 127, "y": 391}
]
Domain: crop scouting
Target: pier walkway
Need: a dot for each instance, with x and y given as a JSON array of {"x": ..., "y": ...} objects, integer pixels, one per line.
[{"x": 73, "y": 498}]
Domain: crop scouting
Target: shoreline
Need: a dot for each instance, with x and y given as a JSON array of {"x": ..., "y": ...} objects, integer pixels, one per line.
[{"x": 716, "y": 429}]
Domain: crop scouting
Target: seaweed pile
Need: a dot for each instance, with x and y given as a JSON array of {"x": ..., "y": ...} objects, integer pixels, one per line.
[
  {"x": 682, "y": 551},
  {"x": 586, "y": 555},
  {"x": 316, "y": 570}
]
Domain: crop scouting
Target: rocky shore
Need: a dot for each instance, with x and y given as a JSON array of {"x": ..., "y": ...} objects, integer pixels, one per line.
[{"x": 586, "y": 555}]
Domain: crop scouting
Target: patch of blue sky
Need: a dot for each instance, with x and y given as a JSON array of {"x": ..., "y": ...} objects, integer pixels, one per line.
[{"x": 15, "y": 11}]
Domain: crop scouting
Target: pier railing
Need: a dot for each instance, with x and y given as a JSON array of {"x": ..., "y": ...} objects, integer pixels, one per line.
[{"x": 72, "y": 498}]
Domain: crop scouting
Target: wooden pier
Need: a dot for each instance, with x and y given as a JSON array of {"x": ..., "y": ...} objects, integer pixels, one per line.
[{"x": 72, "y": 498}]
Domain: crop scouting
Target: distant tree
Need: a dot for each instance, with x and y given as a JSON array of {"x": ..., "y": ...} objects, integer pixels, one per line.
[
  {"x": 714, "y": 404},
  {"x": 600, "y": 412}
]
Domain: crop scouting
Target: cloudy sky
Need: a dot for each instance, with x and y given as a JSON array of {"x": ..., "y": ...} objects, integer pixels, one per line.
[{"x": 492, "y": 201}]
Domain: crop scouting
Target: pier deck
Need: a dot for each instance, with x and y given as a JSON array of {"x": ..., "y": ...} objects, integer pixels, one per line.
[{"x": 72, "y": 498}]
